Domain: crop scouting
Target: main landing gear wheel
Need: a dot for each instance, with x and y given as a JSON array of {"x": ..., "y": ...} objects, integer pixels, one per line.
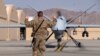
[{"x": 79, "y": 44}]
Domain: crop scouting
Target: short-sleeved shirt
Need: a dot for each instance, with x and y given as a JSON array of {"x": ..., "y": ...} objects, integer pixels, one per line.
[{"x": 61, "y": 23}]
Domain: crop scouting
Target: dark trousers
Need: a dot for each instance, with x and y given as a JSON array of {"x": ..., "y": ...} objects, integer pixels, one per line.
[{"x": 58, "y": 35}]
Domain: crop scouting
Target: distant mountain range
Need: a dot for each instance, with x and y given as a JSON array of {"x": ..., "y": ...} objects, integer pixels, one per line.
[{"x": 86, "y": 18}]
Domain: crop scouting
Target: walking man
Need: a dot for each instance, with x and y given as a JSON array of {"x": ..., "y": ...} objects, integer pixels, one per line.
[
  {"x": 40, "y": 36},
  {"x": 59, "y": 28}
]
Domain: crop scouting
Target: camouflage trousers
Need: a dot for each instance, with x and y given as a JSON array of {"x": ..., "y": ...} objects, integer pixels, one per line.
[{"x": 39, "y": 46}]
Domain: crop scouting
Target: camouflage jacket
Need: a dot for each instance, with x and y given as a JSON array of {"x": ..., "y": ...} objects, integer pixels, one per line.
[{"x": 36, "y": 22}]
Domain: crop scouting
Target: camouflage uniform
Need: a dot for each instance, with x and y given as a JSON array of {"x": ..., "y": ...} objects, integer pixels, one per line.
[{"x": 40, "y": 36}]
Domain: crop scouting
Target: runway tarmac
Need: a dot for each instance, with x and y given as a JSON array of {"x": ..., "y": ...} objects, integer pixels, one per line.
[{"x": 22, "y": 48}]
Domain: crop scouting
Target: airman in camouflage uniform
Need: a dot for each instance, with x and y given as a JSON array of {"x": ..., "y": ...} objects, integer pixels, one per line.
[{"x": 40, "y": 36}]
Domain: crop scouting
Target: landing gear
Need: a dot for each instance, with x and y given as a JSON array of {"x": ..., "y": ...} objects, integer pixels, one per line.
[
  {"x": 78, "y": 44},
  {"x": 61, "y": 46},
  {"x": 57, "y": 49}
]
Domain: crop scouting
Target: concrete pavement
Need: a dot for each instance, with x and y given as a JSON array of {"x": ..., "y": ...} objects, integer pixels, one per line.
[{"x": 22, "y": 48}]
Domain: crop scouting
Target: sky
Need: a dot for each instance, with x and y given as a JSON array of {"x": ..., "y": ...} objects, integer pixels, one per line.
[{"x": 75, "y": 5}]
